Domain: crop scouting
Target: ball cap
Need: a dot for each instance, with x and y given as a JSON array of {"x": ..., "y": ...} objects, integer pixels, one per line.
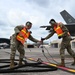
[
  {"x": 28, "y": 23},
  {"x": 52, "y": 21}
]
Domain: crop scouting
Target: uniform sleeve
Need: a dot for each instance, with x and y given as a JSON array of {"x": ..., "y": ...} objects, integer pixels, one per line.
[
  {"x": 33, "y": 39},
  {"x": 48, "y": 36},
  {"x": 17, "y": 29}
]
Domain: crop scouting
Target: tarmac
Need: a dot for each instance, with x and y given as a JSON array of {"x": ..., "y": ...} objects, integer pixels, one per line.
[{"x": 52, "y": 55}]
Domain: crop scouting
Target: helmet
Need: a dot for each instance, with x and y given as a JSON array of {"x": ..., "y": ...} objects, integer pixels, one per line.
[
  {"x": 28, "y": 23},
  {"x": 52, "y": 21}
]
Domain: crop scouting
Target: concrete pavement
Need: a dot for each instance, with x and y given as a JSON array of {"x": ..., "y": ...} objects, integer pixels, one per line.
[{"x": 37, "y": 53}]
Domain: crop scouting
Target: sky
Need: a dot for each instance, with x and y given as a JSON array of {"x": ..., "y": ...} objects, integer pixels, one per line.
[{"x": 39, "y": 12}]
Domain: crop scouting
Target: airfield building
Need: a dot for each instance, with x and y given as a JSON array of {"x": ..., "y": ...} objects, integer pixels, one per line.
[{"x": 56, "y": 43}]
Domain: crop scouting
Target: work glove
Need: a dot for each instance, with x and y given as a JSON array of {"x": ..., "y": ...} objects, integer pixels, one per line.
[{"x": 42, "y": 39}]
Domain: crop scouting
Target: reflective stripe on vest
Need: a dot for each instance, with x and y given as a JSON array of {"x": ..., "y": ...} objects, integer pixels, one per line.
[
  {"x": 58, "y": 30},
  {"x": 23, "y": 35}
]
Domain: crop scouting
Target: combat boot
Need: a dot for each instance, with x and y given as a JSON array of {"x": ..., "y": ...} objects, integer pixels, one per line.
[
  {"x": 62, "y": 63},
  {"x": 20, "y": 62},
  {"x": 73, "y": 62},
  {"x": 12, "y": 63}
]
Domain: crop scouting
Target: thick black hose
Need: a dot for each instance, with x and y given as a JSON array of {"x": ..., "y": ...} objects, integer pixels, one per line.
[{"x": 19, "y": 69}]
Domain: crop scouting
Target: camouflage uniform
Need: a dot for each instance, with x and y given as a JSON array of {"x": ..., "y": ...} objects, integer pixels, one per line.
[
  {"x": 65, "y": 44},
  {"x": 16, "y": 45}
]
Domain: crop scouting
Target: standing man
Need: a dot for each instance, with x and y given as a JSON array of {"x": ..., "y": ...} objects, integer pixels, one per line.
[
  {"x": 63, "y": 33},
  {"x": 21, "y": 34}
]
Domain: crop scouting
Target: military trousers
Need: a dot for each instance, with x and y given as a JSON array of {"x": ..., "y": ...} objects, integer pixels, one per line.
[
  {"x": 66, "y": 45},
  {"x": 15, "y": 45}
]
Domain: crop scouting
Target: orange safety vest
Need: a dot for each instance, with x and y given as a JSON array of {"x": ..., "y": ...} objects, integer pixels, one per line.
[
  {"x": 58, "y": 30},
  {"x": 23, "y": 35}
]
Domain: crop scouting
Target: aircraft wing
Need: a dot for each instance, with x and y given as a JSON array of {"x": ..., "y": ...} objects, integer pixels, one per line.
[
  {"x": 71, "y": 28},
  {"x": 48, "y": 27},
  {"x": 68, "y": 19},
  {"x": 45, "y": 26}
]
